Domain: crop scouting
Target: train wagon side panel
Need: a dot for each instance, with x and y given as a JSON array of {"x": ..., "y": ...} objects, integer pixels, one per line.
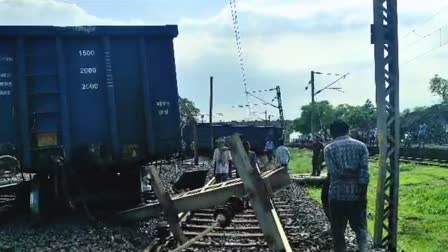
[
  {"x": 257, "y": 136},
  {"x": 8, "y": 91},
  {"x": 104, "y": 93}
]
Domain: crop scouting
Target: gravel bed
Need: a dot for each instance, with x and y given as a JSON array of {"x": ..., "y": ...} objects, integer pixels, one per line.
[
  {"x": 77, "y": 233},
  {"x": 314, "y": 232}
]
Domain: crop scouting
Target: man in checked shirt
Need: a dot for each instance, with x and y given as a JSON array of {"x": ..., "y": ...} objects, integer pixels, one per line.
[{"x": 347, "y": 163}]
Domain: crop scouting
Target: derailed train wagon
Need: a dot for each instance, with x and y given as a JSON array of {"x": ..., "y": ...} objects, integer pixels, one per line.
[
  {"x": 100, "y": 100},
  {"x": 256, "y": 135}
]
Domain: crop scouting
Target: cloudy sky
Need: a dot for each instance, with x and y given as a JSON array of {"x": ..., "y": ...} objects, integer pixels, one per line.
[{"x": 282, "y": 41}]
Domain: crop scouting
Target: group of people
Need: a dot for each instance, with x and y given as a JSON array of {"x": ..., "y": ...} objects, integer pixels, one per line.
[
  {"x": 422, "y": 136},
  {"x": 223, "y": 164},
  {"x": 222, "y": 160},
  {"x": 344, "y": 194}
]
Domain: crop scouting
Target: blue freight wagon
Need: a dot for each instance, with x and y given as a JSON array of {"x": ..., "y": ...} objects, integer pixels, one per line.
[
  {"x": 256, "y": 135},
  {"x": 88, "y": 97}
]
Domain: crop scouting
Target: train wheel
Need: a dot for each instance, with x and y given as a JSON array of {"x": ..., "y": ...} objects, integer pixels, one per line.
[
  {"x": 23, "y": 197},
  {"x": 40, "y": 196}
]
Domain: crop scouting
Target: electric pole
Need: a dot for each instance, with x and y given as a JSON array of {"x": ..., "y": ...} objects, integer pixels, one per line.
[
  {"x": 266, "y": 117},
  {"x": 385, "y": 38},
  {"x": 211, "y": 113},
  {"x": 312, "y": 106},
  {"x": 195, "y": 141},
  {"x": 314, "y": 93},
  {"x": 280, "y": 110}
]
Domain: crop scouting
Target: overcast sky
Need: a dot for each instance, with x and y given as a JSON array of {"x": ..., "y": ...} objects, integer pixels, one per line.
[{"x": 282, "y": 41}]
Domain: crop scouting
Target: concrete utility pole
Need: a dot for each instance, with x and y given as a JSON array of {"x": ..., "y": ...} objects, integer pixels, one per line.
[
  {"x": 211, "y": 113},
  {"x": 385, "y": 38},
  {"x": 266, "y": 117},
  {"x": 312, "y": 106},
  {"x": 195, "y": 141}
]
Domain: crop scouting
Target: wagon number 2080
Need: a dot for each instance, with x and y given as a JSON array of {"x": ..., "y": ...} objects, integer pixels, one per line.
[{"x": 87, "y": 70}]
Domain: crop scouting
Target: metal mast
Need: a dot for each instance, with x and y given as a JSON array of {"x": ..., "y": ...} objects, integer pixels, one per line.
[
  {"x": 385, "y": 39},
  {"x": 280, "y": 110}
]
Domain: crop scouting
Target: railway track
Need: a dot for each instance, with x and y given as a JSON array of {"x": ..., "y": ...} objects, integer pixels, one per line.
[
  {"x": 7, "y": 199},
  {"x": 243, "y": 234},
  {"x": 420, "y": 161}
]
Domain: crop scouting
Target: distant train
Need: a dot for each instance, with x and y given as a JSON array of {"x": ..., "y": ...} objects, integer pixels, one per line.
[
  {"x": 256, "y": 135},
  {"x": 83, "y": 107}
]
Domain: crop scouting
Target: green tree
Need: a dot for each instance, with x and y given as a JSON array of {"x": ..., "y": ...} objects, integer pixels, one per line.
[
  {"x": 187, "y": 109},
  {"x": 361, "y": 118},
  {"x": 324, "y": 115},
  {"x": 439, "y": 86}
]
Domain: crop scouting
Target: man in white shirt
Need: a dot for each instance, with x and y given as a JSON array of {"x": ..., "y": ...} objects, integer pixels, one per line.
[
  {"x": 282, "y": 155},
  {"x": 221, "y": 161}
]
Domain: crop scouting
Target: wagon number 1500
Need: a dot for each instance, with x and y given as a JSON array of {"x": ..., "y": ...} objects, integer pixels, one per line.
[{"x": 86, "y": 52}]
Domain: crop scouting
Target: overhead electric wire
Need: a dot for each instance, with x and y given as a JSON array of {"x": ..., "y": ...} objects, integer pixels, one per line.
[
  {"x": 262, "y": 90},
  {"x": 260, "y": 99},
  {"x": 425, "y": 53},
  {"x": 332, "y": 83},
  {"x": 425, "y": 22},
  {"x": 239, "y": 48},
  {"x": 424, "y": 36}
]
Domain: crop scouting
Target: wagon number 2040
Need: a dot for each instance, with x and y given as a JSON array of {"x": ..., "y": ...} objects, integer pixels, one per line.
[{"x": 87, "y": 86}]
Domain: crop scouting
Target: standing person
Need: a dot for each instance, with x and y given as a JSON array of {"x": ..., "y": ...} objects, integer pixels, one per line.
[
  {"x": 324, "y": 196},
  {"x": 347, "y": 163},
  {"x": 446, "y": 133},
  {"x": 282, "y": 155},
  {"x": 372, "y": 137},
  {"x": 376, "y": 136},
  {"x": 422, "y": 133},
  {"x": 252, "y": 157},
  {"x": 407, "y": 140},
  {"x": 317, "y": 159},
  {"x": 269, "y": 149},
  {"x": 221, "y": 161}
]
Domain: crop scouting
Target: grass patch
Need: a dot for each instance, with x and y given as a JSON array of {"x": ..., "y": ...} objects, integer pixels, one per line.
[
  {"x": 423, "y": 207},
  {"x": 301, "y": 161}
]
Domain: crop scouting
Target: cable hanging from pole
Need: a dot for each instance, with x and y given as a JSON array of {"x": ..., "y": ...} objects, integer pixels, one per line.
[
  {"x": 252, "y": 104},
  {"x": 260, "y": 99},
  {"x": 320, "y": 73},
  {"x": 262, "y": 90},
  {"x": 239, "y": 48},
  {"x": 331, "y": 84}
]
